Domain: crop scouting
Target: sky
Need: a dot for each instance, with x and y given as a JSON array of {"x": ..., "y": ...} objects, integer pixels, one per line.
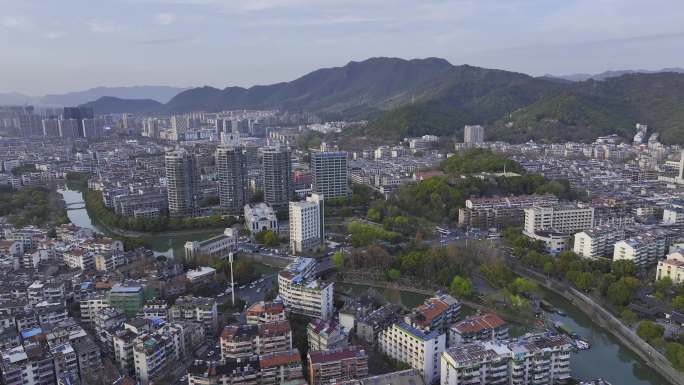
[{"x": 52, "y": 46}]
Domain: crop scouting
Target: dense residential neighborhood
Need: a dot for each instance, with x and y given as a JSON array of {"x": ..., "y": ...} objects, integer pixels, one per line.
[{"x": 256, "y": 247}]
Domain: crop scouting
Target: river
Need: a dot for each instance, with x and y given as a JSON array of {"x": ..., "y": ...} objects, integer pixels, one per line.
[
  {"x": 161, "y": 244},
  {"x": 606, "y": 359},
  {"x": 78, "y": 216}
]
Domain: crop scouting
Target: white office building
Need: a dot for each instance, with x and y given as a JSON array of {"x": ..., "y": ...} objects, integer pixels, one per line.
[{"x": 307, "y": 224}]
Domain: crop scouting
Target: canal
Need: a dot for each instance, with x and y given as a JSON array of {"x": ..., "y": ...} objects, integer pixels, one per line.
[{"x": 606, "y": 359}]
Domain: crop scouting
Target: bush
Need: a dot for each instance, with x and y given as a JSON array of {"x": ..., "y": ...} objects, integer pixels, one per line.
[
  {"x": 268, "y": 238},
  {"x": 461, "y": 287},
  {"x": 365, "y": 234}
]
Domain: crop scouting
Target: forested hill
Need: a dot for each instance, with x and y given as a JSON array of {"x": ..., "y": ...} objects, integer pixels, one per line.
[{"x": 413, "y": 97}]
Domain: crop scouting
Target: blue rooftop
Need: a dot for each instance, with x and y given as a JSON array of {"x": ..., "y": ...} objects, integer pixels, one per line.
[
  {"x": 31, "y": 332},
  {"x": 420, "y": 334}
]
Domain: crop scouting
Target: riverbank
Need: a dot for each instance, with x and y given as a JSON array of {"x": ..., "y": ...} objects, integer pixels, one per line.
[
  {"x": 607, "y": 322},
  {"x": 167, "y": 243}
]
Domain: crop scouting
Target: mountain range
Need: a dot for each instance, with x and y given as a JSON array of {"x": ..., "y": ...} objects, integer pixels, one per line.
[
  {"x": 431, "y": 96},
  {"x": 161, "y": 94},
  {"x": 580, "y": 77}
]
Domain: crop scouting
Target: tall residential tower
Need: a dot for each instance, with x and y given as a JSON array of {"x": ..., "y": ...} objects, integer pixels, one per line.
[
  {"x": 232, "y": 179},
  {"x": 182, "y": 179},
  {"x": 330, "y": 174},
  {"x": 278, "y": 186}
]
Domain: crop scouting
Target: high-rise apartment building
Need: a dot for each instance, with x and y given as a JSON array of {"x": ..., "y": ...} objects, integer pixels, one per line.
[
  {"x": 680, "y": 177},
  {"x": 78, "y": 114},
  {"x": 307, "y": 223},
  {"x": 330, "y": 173},
  {"x": 277, "y": 170},
  {"x": 181, "y": 179},
  {"x": 473, "y": 135},
  {"x": 232, "y": 179}
]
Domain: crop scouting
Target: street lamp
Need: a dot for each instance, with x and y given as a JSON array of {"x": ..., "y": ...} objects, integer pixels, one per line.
[{"x": 232, "y": 281}]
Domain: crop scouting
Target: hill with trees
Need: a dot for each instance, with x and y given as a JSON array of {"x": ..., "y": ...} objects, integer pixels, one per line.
[{"x": 431, "y": 96}]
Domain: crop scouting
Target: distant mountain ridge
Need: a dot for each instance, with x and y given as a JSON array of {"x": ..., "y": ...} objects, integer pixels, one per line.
[
  {"x": 112, "y": 105},
  {"x": 580, "y": 77},
  {"x": 431, "y": 96},
  {"x": 161, "y": 94}
]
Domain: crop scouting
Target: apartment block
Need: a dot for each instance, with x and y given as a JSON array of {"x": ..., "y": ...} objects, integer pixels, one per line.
[
  {"x": 240, "y": 341},
  {"x": 566, "y": 219},
  {"x": 644, "y": 249},
  {"x": 500, "y": 212},
  {"x": 535, "y": 359},
  {"x": 597, "y": 242},
  {"x": 436, "y": 314},
  {"x": 265, "y": 312},
  {"x": 414, "y": 347},
  {"x": 325, "y": 335},
  {"x": 197, "y": 309},
  {"x": 302, "y": 293},
  {"x": 331, "y": 366}
]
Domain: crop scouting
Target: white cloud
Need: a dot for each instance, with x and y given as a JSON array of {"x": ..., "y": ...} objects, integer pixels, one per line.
[
  {"x": 54, "y": 35},
  {"x": 100, "y": 26},
  {"x": 13, "y": 22},
  {"x": 165, "y": 18}
]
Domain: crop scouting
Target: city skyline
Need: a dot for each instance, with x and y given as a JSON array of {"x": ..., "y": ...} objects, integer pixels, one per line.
[{"x": 56, "y": 47}]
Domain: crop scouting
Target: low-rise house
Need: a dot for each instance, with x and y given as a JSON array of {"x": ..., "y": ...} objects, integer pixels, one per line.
[{"x": 480, "y": 327}]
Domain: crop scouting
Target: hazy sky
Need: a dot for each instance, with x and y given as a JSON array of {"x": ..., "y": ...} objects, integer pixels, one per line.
[{"x": 64, "y": 45}]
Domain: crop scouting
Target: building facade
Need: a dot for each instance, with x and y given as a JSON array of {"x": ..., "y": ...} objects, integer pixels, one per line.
[
  {"x": 330, "y": 174},
  {"x": 307, "y": 223}
]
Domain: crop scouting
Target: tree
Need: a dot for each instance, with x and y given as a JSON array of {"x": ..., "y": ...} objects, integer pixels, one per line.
[
  {"x": 675, "y": 354},
  {"x": 621, "y": 292},
  {"x": 461, "y": 287},
  {"x": 629, "y": 316},
  {"x": 624, "y": 268},
  {"x": 268, "y": 238},
  {"x": 374, "y": 215},
  {"x": 338, "y": 259},
  {"x": 497, "y": 273},
  {"x": 650, "y": 332},
  {"x": 393, "y": 274},
  {"x": 678, "y": 303},
  {"x": 523, "y": 286}
]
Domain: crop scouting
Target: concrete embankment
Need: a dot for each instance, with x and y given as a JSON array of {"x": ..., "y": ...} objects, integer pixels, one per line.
[{"x": 609, "y": 322}]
